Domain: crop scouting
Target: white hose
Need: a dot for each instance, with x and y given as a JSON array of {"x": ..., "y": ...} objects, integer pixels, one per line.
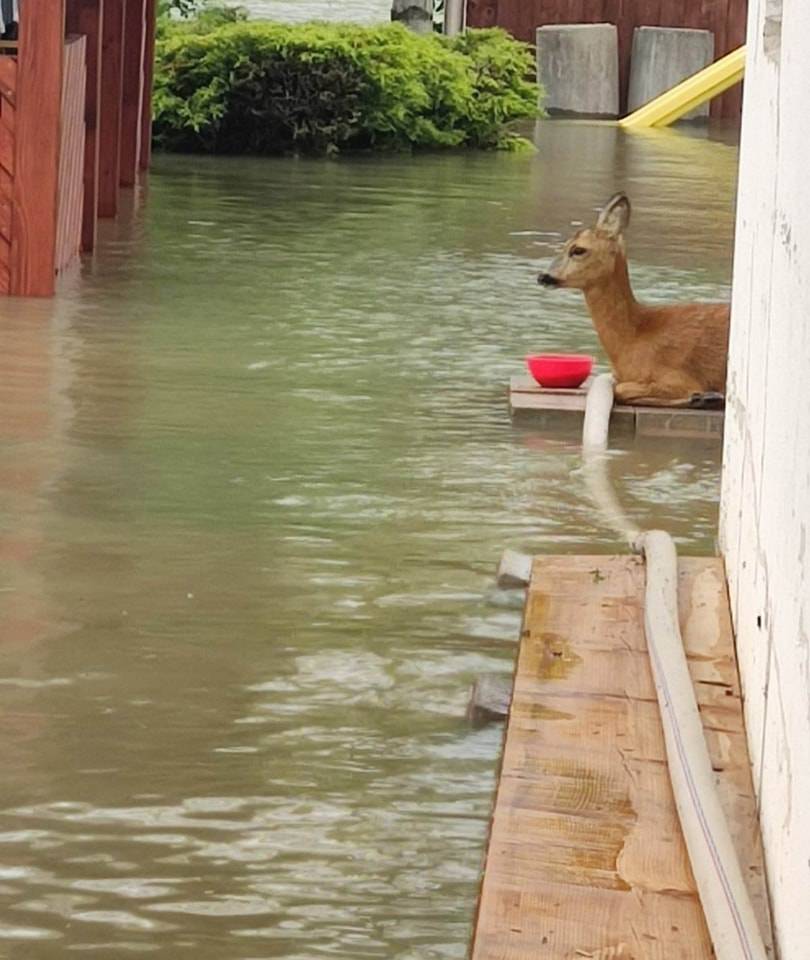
[
  {"x": 723, "y": 894},
  {"x": 595, "y": 459}
]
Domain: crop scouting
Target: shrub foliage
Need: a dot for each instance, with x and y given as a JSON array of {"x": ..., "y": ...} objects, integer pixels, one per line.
[{"x": 225, "y": 85}]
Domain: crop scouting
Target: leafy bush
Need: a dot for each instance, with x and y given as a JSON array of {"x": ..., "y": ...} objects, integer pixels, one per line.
[{"x": 260, "y": 87}]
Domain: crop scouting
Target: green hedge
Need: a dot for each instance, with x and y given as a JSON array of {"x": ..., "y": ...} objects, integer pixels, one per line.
[{"x": 268, "y": 88}]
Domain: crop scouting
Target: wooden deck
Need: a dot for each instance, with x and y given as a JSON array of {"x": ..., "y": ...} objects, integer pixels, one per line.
[
  {"x": 586, "y": 858},
  {"x": 564, "y": 409}
]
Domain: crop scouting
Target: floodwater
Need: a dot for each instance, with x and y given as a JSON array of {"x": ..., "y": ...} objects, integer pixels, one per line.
[
  {"x": 256, "y": 470},
  {"x": 298, "y": 11}
]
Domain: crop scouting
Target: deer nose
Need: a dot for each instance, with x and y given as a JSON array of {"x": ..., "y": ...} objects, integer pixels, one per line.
[{"x": 547, "y": 280}]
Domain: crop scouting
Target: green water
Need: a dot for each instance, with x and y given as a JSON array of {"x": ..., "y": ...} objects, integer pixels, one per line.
[{"x": 256, "y": 470}]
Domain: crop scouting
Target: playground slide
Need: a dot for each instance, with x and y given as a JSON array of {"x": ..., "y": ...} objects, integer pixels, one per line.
[{"x": 690, "y": 93}]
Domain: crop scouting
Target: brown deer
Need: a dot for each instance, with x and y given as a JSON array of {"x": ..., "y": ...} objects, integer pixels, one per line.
[{"x": 664, "y": 356}]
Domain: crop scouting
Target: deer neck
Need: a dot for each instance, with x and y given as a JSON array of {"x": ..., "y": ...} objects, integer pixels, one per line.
[{"x": 614, "y": 310}]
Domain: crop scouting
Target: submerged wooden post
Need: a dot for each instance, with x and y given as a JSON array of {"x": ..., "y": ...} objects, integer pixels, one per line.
[
  {"x": 109, "y": 126},
  {"x": 36, "y": 148},
  {"x": 132, "y": 90},
  {"x": 148, "y": 82},
  {"x": 86, "y": 17}
]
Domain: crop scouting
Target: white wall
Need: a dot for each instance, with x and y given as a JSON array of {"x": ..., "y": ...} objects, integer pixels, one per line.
[{"x": 765, "y": 517}]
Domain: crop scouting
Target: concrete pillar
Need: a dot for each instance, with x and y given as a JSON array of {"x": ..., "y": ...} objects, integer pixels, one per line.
[
  {"x": 662, "y": 57},
  {"x": 454, "y": 11},
  {"x": 417, "y": 15},
  {"x": 578, "y": 66}
]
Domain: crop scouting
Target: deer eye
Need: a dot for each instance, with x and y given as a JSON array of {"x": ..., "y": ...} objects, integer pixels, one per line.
[{"x": 577, "y": 252}]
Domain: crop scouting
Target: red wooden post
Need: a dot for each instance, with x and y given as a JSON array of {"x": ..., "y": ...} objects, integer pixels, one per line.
[
  {"x": 36, "y": 175},
  {"x": 86, "y": 17},
  {"x": 132, "y": 94},
  {"x": 109, "y": 113},
  {"x": 148, "y": 82}
]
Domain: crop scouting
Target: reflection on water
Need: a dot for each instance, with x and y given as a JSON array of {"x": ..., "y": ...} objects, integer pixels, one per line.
[{"x": 255, "y": 474}]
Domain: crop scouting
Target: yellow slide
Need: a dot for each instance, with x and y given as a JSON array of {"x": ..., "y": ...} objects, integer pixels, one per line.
[{"x": 690, "y": 93}]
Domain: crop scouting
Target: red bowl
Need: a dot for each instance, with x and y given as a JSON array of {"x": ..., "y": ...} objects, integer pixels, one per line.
[{"x": 560, "y": 369}]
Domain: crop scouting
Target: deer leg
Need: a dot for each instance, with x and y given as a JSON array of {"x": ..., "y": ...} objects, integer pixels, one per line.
[
  {"x": 707, "y": 401},
  {"x": 649, "y": 395}
]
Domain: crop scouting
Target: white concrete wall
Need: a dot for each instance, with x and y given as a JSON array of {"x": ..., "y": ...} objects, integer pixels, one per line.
[{"x": 765, "y": 517}]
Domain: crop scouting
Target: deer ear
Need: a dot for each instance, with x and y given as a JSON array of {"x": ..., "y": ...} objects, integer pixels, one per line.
[{"x": 615, "y": 216}]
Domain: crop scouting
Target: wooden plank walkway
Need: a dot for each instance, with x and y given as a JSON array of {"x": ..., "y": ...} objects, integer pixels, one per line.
[
  {"x": 586, "y": 860},
  {"x": 565, "y": 408}
]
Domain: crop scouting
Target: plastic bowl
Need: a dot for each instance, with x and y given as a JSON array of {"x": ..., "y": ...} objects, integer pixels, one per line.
[{"x": 560, "y": 369}]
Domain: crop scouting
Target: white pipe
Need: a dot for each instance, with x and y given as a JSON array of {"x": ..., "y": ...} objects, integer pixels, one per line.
[
  {"x": 598, "y": 407},
  {"x": 723, "y": 894},
  {"x": 595, "y": 460},
  {"x": 726, "y": 903},
  {"x": 454, "y": 11}
]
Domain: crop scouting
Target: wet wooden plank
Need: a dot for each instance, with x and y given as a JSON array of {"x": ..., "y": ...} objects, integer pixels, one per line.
[
  {"x": 530, "y": 403},
  {"x": 586, "y": 857}
]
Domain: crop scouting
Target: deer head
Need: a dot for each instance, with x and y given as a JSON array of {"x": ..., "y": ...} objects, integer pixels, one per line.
[{"x": 589, "y": 256}]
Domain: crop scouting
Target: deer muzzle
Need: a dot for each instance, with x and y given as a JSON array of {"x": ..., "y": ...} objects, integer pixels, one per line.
[{"x": 548, "y": 280}]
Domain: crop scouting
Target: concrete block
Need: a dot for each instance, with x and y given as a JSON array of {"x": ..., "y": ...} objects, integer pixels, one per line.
[
  {"x": 489, "y": 700},
  {"x": 417, "y": 15},
  {"x": 514, "y": 570},
  {"x": 578, "y": 65},
  {"x": 662, "y": 57}
]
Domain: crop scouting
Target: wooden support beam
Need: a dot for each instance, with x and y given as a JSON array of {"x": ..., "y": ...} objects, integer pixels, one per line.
[
  {"x": 36, "y": 178},
  {"x": 132, "y": 91},
  {"x": 70, "y": 204},
  {"x": 109, "y": 111},
  {"x": 87, "y": 17},
  {"x": 148, "y": 83}
]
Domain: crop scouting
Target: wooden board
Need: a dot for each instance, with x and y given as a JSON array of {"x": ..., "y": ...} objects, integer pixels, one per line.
[
  {"x": 586, "y": 857},
  {"x": 565, "y": 408}
]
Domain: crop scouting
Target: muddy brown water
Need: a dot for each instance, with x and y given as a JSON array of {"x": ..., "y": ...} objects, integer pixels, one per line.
[{"x": 256, "y": 470}]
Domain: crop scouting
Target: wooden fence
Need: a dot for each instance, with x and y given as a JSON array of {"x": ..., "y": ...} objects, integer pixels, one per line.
[{"x": 725, "y": 18}]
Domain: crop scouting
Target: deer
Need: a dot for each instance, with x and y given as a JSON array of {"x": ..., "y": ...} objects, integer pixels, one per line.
[{"x": 671, "y": 355}]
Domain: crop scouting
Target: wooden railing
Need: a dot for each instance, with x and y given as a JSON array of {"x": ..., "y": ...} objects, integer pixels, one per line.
[{"x": 75, "y": 121}]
